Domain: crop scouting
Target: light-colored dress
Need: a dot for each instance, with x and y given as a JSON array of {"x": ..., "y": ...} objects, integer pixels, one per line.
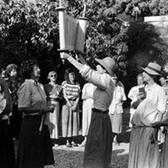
[
  {"x": 144, "y": 152},
  {"x": 116, "y": 108},
  {"x": 87, "y": 96},
  {"x": 53, "y": 96},
  {"x": 164, "y": 152},
  {"x": 70, "y": 118}
]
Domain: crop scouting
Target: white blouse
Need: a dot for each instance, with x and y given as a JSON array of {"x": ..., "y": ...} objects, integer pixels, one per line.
[
  {"x": 119, "y": 97},
  {"x": 156, "y": 95}
]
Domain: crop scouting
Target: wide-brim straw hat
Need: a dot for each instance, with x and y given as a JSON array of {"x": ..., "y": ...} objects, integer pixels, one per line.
[
  {"x": 108, "y": 64},
  {"x": 153, "y": 69}
]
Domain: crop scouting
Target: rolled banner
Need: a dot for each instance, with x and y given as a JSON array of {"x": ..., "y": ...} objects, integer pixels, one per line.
[
  {"x": 81, "y": 34},
  {"x": 67, "y": 34},
  {"x": 61, "y": 29}
]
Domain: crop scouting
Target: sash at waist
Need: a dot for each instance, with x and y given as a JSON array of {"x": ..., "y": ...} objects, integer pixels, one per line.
[
  {"x": 99, "y": 111},
  {"x": 31, "y": 114},
  {"x": 72, "y": 99},
  {"x": 54, "y": 99},
  {"x": 141, "y": 126}
]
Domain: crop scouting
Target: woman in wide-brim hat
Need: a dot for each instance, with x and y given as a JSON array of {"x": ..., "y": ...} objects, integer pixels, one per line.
[
  {"x": 144, "y": 149},
  {"x": 98, "y": 147}
]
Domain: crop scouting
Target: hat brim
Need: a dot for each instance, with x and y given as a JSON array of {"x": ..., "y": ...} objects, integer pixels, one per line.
[
  {"x": 101, "y": 62},
  {"x": 150, "y": 71}
]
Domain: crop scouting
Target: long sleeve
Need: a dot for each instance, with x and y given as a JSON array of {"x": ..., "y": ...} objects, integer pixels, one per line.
[
  {"x": 162, "y": 101},
  {"x": 102, "y": 81},
  {"x": 24, "y": 96},
  {"x": 31, "y": 96},
  {"x": 7, "y": 96}
]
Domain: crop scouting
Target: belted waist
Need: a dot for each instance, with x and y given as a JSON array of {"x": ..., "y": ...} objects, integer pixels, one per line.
[
  {"x": 141, "y": 126},
  {"x": 100, "y": 111},
  {"x": 72, "y": 99},
  {"x": 54, "y": 99},
  {"x": 31, "y": 114}
]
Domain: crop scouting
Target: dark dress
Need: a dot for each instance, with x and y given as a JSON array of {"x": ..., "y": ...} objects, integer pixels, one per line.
[
  {"x": 7, "y": 158},
  {"x": 15, "y": 119},
  {"x": 35, "y": 149}
]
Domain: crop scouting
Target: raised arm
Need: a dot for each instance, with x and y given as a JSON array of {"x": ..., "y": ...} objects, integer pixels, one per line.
[{"x": 102, "y": 81}]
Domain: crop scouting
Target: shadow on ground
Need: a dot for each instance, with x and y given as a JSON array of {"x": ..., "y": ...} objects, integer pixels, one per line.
[{"x": 74, "y": 159}]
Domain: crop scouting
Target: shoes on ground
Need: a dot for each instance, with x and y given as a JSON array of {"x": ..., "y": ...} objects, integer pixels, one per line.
[
  {"x": 83, "y": 143},
  {"x": 68, "y": 145},
  {"x": 55, "y": 145},
  {"x": 74, "y": 144}
]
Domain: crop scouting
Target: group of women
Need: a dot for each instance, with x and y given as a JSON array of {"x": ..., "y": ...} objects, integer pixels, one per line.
[
  {"x": 30, "y": 113},
  {"x": 103, "y": 95},
  {"x": 33, "y": 114}
]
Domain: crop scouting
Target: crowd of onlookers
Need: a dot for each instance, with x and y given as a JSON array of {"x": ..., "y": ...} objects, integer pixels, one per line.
[
  {"x": 64, "y": 120},
  {"x": 34, "y": 105},
  {"x": 33, "y": 114}
]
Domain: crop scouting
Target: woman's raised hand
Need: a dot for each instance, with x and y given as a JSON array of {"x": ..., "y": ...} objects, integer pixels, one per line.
[{"x": 65, "y": 55}]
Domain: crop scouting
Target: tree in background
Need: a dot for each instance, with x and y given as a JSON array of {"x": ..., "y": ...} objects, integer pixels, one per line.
[{"x": 31, "y": 30}]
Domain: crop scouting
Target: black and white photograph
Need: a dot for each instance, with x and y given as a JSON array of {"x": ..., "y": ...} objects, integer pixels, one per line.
[{"x": 83, "y": 84}]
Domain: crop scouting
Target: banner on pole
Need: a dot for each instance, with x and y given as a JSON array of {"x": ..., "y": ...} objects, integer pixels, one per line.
[{"x": 72, "y": 32}]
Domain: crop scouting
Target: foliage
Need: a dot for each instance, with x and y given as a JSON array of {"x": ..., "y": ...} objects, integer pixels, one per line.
[
  {"x": 31, "y": 30},
  {"x": 137, "y": 8},
  {"x": 28, "y": 30}
]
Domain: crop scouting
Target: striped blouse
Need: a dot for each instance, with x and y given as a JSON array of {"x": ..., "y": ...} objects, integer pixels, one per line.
[{"x": 72, "y": 90}]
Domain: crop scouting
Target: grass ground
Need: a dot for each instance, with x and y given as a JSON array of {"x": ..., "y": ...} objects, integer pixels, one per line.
[{"x": 73, "y": 157}]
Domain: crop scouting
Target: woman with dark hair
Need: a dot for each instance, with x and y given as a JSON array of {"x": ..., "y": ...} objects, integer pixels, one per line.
[
  {"x": 7, "y": 157},
  {"x": 14, "y": 83},
  {"x": 53, "y": 92},
  {"x": 70, "y": 109},
  {"x": 144, "y": 147},
  {"x": 2, "y": 73},
  {"x": 35, "y": 149}
]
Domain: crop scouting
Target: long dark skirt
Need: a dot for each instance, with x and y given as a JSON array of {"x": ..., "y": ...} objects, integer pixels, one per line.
[
  {"x": 7, "y": 158},
  {"x": 35, "y": 150},
  {"x": 15, "y": 122},
  {"x": 98, "y": 147}
]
